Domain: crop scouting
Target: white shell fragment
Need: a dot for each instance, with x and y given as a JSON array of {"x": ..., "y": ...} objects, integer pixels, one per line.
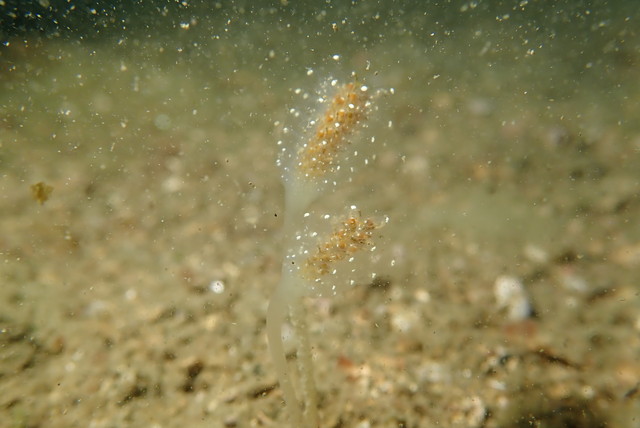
[{"x": 511, "y": 295}]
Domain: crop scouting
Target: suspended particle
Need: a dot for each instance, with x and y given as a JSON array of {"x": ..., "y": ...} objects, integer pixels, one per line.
[
  {"x": 41, "y": 192},
  {"x": 217, "y": 286}
]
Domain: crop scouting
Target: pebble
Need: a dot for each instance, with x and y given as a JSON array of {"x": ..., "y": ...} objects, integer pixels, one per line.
[{"x": 511, "y": 295}]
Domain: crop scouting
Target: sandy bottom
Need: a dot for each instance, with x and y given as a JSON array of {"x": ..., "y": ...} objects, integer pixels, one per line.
[{"x": 508, "y": 277}]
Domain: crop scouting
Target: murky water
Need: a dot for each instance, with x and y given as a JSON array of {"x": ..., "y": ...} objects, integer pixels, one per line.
[{"x": 141, "y": 212}]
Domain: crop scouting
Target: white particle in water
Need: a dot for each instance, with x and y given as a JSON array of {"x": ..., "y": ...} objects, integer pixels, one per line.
[{"x": 217, "y": 286}]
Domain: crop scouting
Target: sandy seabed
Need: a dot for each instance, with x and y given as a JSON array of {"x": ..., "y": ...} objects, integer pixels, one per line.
[{"x": 136, "y": 293}]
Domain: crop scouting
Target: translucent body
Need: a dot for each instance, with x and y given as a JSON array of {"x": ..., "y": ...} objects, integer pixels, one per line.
[{"x": 309, "y": 171}]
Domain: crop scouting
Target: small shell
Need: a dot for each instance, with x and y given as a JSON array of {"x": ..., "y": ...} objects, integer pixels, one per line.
[{"x": 510, "y": 293}]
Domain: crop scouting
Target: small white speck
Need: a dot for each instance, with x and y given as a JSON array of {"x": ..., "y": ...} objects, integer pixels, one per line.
[
  {"x": 217, "y": 286},
  {"x": 510, "y": 293}
]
